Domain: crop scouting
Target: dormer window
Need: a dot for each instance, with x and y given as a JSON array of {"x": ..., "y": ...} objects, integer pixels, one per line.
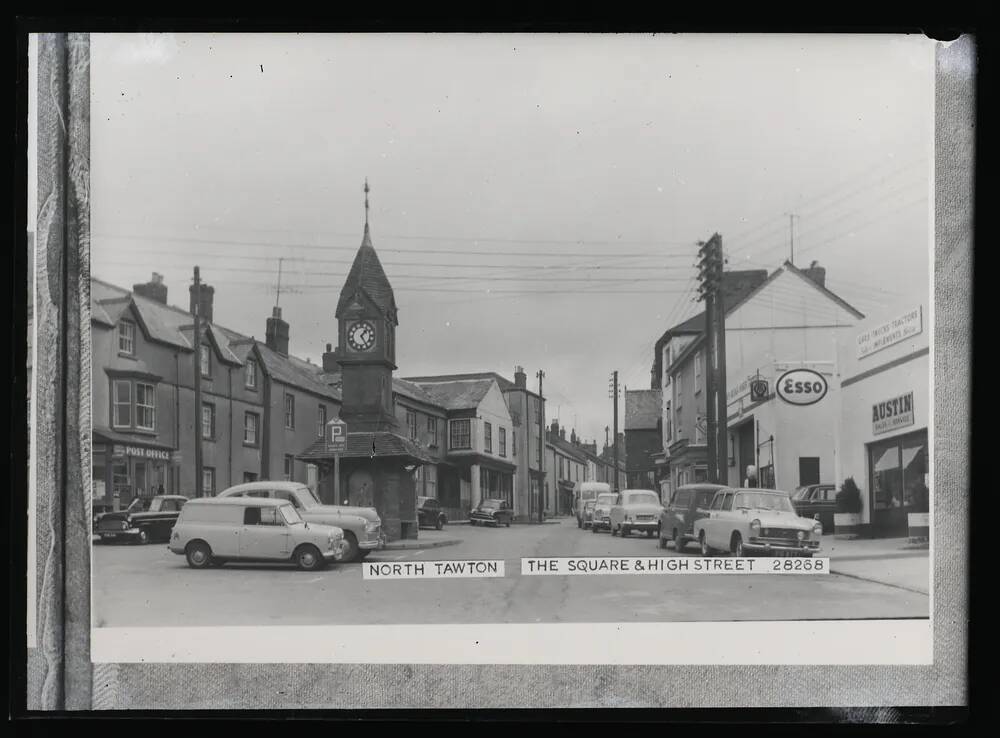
[{"x": 126, "y": 337}]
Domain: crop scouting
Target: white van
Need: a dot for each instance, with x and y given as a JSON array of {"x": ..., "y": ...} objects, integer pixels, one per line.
[
  {"x": 584, "y": 497},
  {"x": 213, "y": 530}
]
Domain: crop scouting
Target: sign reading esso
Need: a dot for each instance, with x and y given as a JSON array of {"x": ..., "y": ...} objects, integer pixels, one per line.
[{"x": 801, "y": 387}]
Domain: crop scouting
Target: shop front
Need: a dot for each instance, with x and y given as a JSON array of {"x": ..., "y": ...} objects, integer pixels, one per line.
[
  {"x": 125, "y": 468},
  {"x": 886, "y": 413}
]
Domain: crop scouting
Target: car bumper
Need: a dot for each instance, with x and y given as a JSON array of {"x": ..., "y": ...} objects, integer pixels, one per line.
[
  {"x": 336, "y": 553},
  {"x": 641, "y": 525},
  {"x": 129, "y": 533},
  {"x": 770, "y": 547},
  {"x": 601, "y": 522}
]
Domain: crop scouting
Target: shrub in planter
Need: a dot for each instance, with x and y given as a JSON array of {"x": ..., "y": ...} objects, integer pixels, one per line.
[{"x": 847, "y": 519}]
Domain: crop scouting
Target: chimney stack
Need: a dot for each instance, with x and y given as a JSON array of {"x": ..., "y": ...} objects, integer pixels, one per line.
[
  {"x": 207, "y": 298},
  {"x": 573, "y": 438},
  {"x": 554, "y": 430},
  {"x": 330, "y": 360},
  {"x": 154, "y": 289},
  {"x": 816, "y": 273},
  {"x": 520, "y": 378},
  {"x": 562, "y": 434},
  {"x": 276, "y": 335}
]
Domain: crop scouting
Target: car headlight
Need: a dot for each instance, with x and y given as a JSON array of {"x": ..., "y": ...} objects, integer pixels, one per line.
[
  {"x": 818, "y": 528},
  {"x": 755, "y": 526},
  {"x": 372, "y": 525},
  {"x": 628, "y": 518},
  {"x": 802, "y": 535}
]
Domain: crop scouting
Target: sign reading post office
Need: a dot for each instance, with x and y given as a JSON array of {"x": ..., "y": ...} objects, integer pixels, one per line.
[{"x": 801, "y": 387}]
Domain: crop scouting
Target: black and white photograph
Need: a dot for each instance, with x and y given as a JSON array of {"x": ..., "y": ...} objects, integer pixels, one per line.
[{"x": 501, "y": 348}]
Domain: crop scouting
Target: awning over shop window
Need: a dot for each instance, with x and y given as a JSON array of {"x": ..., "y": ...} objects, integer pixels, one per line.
[
  {"x": 909, "y": 454},
  {"x": 888, "y": 460}
]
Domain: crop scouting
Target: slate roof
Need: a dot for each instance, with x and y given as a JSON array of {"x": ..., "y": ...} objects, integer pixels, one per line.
[
  {"x": 643, "y": 409},
  {"x": 461, "y": 394},
  {"x": 365, "y": 445},
  {"x": 568, "y": 448},
  {"x": 368, "y": 276},
  {"x": 296, "y": 372}
]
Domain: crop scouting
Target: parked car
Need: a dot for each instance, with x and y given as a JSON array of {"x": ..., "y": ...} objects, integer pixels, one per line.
[
  {"x": 429, "y": 513},
  {"x": 601, "y": 517},
  {"x": 635, "y": 509},
  {"x": 361, "y": 525},
  {"x": 814, "y": 500},
  {"x": 584, "y": 492},
  {"x": 214, "y": 530},
  {"x": 145, "y": 519},
  {"x": 749, "y": 521},
  {"x": 492, "y": 512},
  {"x": 687, "y": 504}
]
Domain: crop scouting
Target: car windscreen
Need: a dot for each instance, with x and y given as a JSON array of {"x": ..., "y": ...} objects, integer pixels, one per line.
[
  {"x": 641, "y": 498},
  {"x": 145, "y": 504},
  {"x": 489, "y": 504},
  {"x": 606, "y": 498},
  {"x": 801, "y": 493},
  {"x": 705, "y": 499},
  {"x": 763, "y": 501},
  {"x": 307, "y": 497},
  {"x": 290, "y": 514}
]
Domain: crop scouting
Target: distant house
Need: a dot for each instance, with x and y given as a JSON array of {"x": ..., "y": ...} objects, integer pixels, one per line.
[
  {"x": 566, "y": 465},
  {"x": 643, "y": 437}
]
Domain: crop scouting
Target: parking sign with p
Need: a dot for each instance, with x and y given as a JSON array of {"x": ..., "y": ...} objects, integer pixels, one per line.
[{"x": 336, "y": 435}]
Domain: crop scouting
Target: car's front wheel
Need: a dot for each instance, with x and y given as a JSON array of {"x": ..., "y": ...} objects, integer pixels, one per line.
[
  {"x": 198, "y": 554},
  {"x": 308, "y": 558},
  {"x": 351, "y": 554},
  {"x": 736, "y": 546},
  {"x": 705, "y": 549},
  {"x": 143, "y": 536},
  {"x": 626, "y": 531},
  {"x": 440, "y": 524}
]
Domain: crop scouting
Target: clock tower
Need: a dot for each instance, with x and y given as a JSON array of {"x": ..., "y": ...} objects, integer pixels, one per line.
[{"x": 366, "y": 354}]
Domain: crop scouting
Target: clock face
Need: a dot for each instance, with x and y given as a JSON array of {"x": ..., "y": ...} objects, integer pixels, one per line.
[{"x": 361, "y": 336}]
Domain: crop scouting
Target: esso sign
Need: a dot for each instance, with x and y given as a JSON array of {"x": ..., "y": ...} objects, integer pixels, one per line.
[{"x": 801, "y": 387}]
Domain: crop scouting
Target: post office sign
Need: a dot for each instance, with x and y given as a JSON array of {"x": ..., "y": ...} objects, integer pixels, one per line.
[{"x": 801, "y": 387}]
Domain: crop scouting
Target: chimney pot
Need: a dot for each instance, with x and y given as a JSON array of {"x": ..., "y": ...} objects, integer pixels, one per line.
[{"x": 154, "y": 289}]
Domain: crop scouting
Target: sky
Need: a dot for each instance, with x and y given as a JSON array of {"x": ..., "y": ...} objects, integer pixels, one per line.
[{"x": 536, "y": 200}]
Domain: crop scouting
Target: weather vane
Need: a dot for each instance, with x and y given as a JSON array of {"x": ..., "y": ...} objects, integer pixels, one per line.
[{"x": 366, "y": 200}]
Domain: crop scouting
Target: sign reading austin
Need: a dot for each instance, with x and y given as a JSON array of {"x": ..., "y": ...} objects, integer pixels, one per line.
[
  {"x": 892, "y": 414},
  {"x": 887, "y": 334}
]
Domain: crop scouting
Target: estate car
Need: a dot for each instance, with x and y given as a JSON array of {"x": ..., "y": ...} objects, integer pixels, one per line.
[
  {"x": 749, "y": 521},
  {"x": 584, "y": 493},
  {"x": 687, "y": 504},
  {"x": 429, "y": 513},
  {"x": 361, "y": 525},
  {"x": 214, "y": 530},
  {"x": 818, "y": 501}
]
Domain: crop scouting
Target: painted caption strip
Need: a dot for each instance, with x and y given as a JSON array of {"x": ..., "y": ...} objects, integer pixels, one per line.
[
  {"x": 433, "y": 570},
  {"x": 673, "y": 565}
]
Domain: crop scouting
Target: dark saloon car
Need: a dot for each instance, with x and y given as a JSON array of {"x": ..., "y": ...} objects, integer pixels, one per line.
[
  {"x": 491, "y": 512},
  {"x": 429, "y": 513},
  {"x": 814, "y": 500},
  {"x": 687, "y": 504},
  {"x": 146, "y": 519}
]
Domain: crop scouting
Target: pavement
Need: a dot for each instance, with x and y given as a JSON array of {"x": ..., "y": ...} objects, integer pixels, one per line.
[
  {"x": 892, "y": 561},
  {"x": 150, "y": 586}
]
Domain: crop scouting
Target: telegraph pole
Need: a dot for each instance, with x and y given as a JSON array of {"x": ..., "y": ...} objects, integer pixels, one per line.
[
  {"x": 791, "y": 238},
  {"x": 541, "y": 448},
  {"x": 198, "y": 480},
  {"x": 614, "y": 395},
  {"x": 710, "y": 266}
]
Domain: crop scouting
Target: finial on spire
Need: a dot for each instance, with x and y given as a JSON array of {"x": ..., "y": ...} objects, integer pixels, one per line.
[{"x": 366, "y": 201}]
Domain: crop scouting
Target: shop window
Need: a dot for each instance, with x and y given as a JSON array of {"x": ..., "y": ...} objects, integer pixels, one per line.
[
  {"x": 289, "y": 411},
  {"x": 898, "y": 472},
  {"x": 460, "y": 434},
  {"x": 251, "y": 426},
  {"x": 126, "y": 337},
  {"x": 250, "y": 374},
  {"x": 321, "y": 421},
  {"x": 503, "y": 442},
  {"x": 208, "y": 421},
  {"x": 488, "y": 437},
  {"x": 122, "y": 403}
]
